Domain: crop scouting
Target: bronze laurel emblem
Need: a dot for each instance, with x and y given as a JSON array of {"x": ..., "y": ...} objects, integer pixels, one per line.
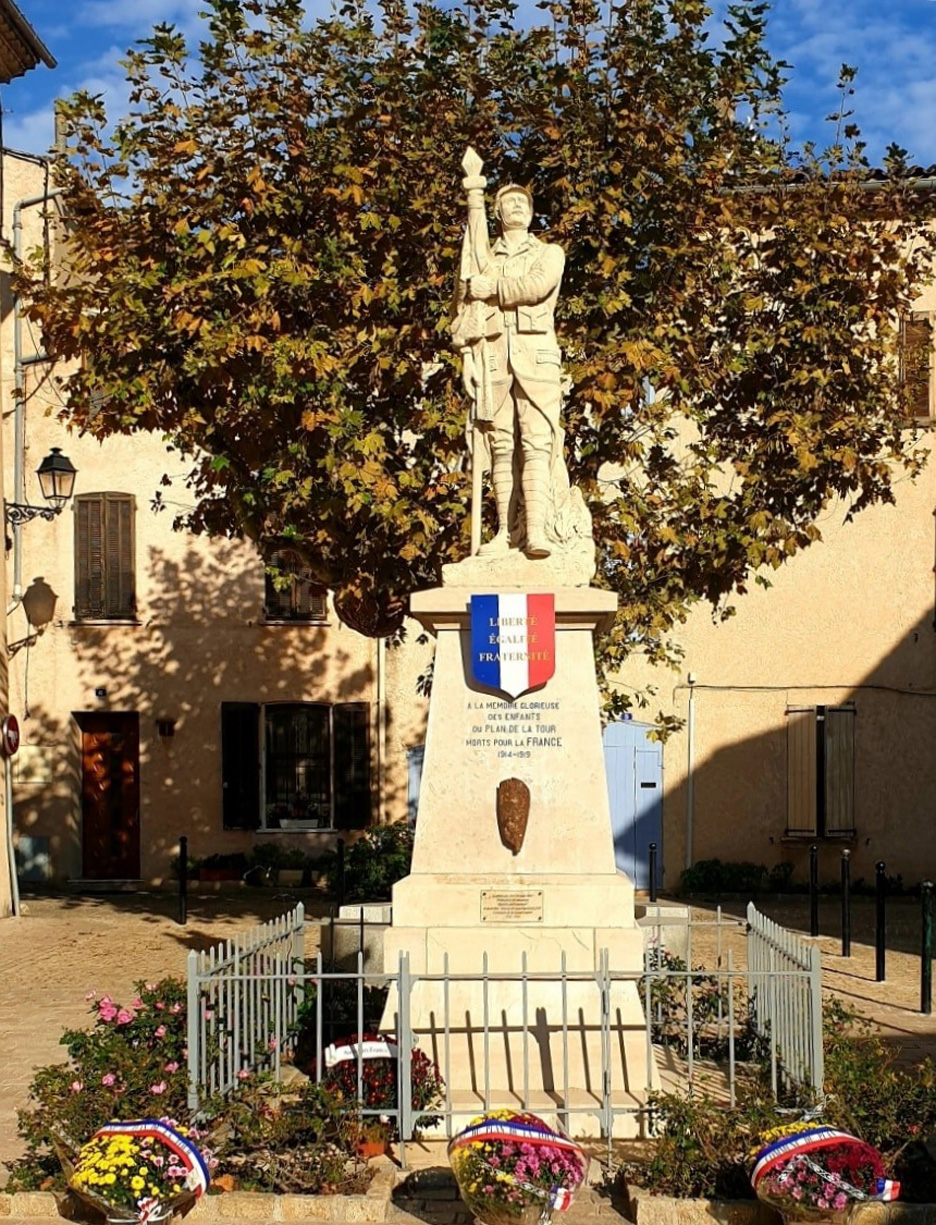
[{"x": 513, "y": 811}]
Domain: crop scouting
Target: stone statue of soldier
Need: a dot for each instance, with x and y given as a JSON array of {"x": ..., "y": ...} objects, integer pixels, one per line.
[{"x": 504, "y": 328}]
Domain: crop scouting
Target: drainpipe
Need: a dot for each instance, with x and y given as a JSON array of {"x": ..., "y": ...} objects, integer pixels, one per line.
[
  {"x": 19, "y": 386},
  {"x": 381, "y": 729},
  {"x": 8, "y": 822},
  {"x": 690, "y": 769}
]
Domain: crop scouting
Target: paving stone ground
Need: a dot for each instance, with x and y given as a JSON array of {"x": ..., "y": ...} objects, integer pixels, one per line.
[{"x": 64, "y": 947}]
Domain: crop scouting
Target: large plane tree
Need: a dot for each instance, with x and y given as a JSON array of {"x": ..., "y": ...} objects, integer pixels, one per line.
[{"x": 259, "y": 265}]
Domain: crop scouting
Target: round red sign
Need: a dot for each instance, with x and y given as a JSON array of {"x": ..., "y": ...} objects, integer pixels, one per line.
[{"x": 9, "y": 730}]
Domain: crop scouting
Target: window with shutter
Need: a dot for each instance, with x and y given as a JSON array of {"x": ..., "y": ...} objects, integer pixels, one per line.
[
  {"x": 105, "y": 586},
  {"x": 821, "y": 771},
  {"x": 292, "y": 594},
  {"x": 314, "y": 759},
  {"x": 916, "y": 362}
]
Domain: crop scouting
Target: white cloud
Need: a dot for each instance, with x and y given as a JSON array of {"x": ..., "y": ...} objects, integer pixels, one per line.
[
  {"x": 139, "y": 15},
  {"x": 29, "y": 131}
]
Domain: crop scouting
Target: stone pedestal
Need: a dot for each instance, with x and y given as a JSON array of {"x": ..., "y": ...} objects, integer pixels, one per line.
[{"x": 471, "y": 905}]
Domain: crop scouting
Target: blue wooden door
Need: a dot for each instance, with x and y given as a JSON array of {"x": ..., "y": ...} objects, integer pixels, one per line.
[
  {"x": 634, "y": 767},
  {"x": 414, "y": 769}
]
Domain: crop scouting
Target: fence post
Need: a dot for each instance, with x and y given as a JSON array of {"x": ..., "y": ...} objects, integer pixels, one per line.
[
  {"x": 880, "y": 919},
  {"x": 926, "y": 949},
  {"x": 814, "y": 890},
  {"x": 404, "y": 1055},
  {"x": 817, "y": 1061},
  {"x": 183, "y": 880},
  {"x": 846, "y": 903},
  {"x": 653, "y": 871},
  {"x": 194, "y": 1031}
]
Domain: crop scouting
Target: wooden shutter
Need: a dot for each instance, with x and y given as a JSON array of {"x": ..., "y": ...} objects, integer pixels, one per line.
[
  {"x": 104, "y": 556},
  {"x": 118, "y": 564},
  {"x": 839, "y": 762},
  {"x": 240, "y": 765},
  {"x": 352, "y": 798},
  {"x": 916, "y": 360},
  {"x": 89, "y": 556},
  {"x": 302, "y": 600},
  {"x": 277, "y": 603},
  {"x": 801, "y": 770}
]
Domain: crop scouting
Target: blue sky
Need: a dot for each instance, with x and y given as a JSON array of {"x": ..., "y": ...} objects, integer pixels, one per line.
[{"x": 891, "y": 42}]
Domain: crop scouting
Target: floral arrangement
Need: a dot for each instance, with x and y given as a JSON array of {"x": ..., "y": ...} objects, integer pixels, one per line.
[
  {"x": 809, "y": 1173},
  {"x": 378, "y": 1091},
  {"x": 140, "y": 1171},
  {"x": 511, "y": 1167}
]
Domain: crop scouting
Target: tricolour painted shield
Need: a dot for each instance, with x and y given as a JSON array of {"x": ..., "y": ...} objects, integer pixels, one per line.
[{"x": 513, "y": 641}]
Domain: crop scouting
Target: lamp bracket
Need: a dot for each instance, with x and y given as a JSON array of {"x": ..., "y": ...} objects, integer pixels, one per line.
[{"x": 18, "y": 513}]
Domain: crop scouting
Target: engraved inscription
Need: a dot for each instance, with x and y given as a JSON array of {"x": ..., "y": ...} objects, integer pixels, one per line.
[
  {"x": 513, "y": 729},
  {"x": 511, "y": 905}
]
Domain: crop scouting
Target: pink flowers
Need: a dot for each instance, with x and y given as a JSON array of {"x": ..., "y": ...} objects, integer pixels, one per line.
[
  {"x": 107, "y": 1009},
  {"x": 76, "y": 1086},
  {"x": 175, "y": 1008},
  {"x": 514, "y": 1174},
  {"x": 137, "y": 1004},
  {"x": 108, "y": 1079},
  {"x": 90, "y": 996},
  {"x": 243, "y": 1074},
  {"x": 171, "y": 1067},
  {"x": 124, "y": 1016},
  {"x": 160, "y": 1031},
  {"x": 157, "y": 1089}
]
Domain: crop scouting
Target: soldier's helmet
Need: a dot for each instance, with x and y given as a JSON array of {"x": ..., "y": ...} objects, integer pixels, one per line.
[{"x": 509, "y": 189}]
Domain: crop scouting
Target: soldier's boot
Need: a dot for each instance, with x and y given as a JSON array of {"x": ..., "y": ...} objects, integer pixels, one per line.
[
  {"x": 502, "y": 480},
  {"x": 535, "y": 499}
]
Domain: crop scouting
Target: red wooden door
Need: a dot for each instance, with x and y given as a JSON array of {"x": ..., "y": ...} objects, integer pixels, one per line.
[{"x": 110, "y": 796}]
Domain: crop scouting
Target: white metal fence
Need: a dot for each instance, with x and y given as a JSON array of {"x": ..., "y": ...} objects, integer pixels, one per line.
[
  {"x": 247, "y": 996},
  {"x": 242, "y": 1004},
  {"x": 785, "y": 993}
]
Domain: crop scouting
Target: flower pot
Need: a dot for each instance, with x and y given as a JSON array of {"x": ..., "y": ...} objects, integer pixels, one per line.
[{"x": 372, "y": 1146}]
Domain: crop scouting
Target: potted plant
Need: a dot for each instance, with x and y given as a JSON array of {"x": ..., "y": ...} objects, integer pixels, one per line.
[
  {"x": 292, "y": 866},
  {"x": 223, "y": 866},
  {"x": 374, "y": 1136},
  {"x": 191, "y": 867},
  {"x": 265, "y": 860}
]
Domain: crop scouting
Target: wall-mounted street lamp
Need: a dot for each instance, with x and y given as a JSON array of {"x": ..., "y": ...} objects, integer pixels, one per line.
[{"x": 56, "y": 480}]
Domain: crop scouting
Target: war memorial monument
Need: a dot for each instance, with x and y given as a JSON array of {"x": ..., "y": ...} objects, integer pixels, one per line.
[{"x": 513, "y": 867}]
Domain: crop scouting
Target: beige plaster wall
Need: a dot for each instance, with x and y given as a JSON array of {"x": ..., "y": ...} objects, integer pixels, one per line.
[{"x": 849, "y": 620}]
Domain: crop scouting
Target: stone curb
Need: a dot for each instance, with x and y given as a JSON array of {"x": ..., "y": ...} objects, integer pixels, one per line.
[
  {"x": 647, "y": 1209},
  {"x": 372, "y": 1206}
]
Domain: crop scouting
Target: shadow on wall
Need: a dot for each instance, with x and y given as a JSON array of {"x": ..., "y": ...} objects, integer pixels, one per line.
[
  {"x": 201, "y": 641},
  {"x": 870, "y": 778}
]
